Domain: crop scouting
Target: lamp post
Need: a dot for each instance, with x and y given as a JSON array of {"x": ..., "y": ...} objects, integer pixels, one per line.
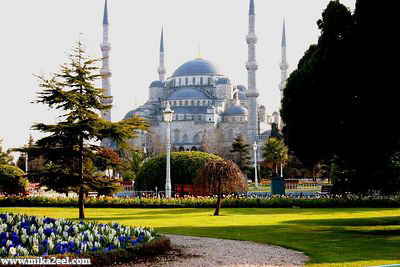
[
  {"x": 168, "y": 119},
  {"x": 255, "y": 163}
]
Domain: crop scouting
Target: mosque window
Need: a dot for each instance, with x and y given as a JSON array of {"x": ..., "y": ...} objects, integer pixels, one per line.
[
  {"x": 186, "y": 103},
  {"x": 209, "y": 80},
  {"x": 180, "y": 82},
  {"x": 194, "y": 80},
  {"x": 174, "y": 103},
  {"x": 233, "y": 119},
  {"x": 198, "y": 102},
  {"x": 204, "y": 102},
  {"x": 201, "y": 80},
  {"x": 180, "y": 103},
  {"x": 192, "y": 102},
  {"x": 186, "y": 81},
  {"x": 184, "y": 117}
]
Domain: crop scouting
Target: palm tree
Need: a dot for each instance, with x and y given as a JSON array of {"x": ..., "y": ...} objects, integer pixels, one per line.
[
  {"x": 220, "y": 177},
  {"x": 275, "y": 154}
]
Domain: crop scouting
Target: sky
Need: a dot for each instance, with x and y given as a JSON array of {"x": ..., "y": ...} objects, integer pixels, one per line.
[{"x": 37, "y": 35}]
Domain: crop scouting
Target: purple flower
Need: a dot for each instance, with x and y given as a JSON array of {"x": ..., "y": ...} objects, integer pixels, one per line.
[{"x": 3, "y": 216}]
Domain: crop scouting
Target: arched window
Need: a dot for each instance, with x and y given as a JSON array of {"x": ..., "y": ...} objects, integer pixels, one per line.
[
  {"x": 198, "y": 102},
  {"x": 186, "y": 103},
  {"x": 194, "y": 80},
  {"x": 176, "y": 136},
  {"x": 209, "y": 80},
  {"x": 180, "y": 82},
  {"x": 186, "y": 81},
  {"x": 196, "y": 138},
  {"x": 201, "y": 80},
  {"x": 192, "y": 102}
]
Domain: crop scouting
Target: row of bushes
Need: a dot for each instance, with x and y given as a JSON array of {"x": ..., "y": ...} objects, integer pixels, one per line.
[{"x": 207, "y": 202}]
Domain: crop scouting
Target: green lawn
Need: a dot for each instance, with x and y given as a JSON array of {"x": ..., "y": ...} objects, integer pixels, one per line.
[{"x": 330, "y": 237}]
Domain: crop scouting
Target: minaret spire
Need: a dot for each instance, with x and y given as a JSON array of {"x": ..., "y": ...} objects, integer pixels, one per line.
[
  {"x": 161, "y": 68},
  {"x": 105, "y": 70},
  {"x": 284, "y": 66},
  {"x": 252, "y": 66}
]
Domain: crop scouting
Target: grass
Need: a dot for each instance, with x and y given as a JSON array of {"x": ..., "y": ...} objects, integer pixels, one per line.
[{"x": 330, "y": 237}]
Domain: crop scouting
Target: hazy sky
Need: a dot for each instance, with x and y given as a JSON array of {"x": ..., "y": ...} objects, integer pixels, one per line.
[{"x": 37, "y": 34}]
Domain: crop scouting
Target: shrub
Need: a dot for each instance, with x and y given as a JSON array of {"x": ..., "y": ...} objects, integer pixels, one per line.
[
  {"x": 184, "y": 168},
  {"x": 12, "y": 179}
]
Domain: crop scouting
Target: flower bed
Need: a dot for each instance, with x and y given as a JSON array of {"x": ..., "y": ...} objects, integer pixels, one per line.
[{"x": 22, "y": 235}]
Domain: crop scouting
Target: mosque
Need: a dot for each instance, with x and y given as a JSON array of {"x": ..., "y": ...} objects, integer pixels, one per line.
[{"x": 202, "y": 98}]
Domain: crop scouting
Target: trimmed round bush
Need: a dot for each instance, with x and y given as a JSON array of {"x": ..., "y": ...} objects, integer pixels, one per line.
[
  {"x": 184, "y": 168},
  {"x": 12, "y": 179}
]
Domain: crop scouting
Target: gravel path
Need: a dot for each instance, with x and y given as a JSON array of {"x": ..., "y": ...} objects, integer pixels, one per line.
[{"x": 195, "y": 251}]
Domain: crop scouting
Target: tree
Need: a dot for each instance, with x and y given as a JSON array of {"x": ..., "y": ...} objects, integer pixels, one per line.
[
  {"x": 12, "y": 179},
  {"x": 241, "y": 154},
  {"x": 5, "y": 156},
  {"x": 220, "y": 177},
  {"x": 214, "y": 143},
  {"x": 184, "y": 168},
  {"x": 107, "y": 160},
  {"x": 275, "y": 154},
  {"x": 340, "y": 103},
  {"x": 133, "y": 164},
  {"x": 70, "y": 144}
]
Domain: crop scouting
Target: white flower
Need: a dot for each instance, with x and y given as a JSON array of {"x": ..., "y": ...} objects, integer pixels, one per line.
[
  {"x": 9, "y": 242},
  {"x": 12, "y": 251},
  {"x": 65, "y": 235},
  {"x": 66, "y": 227},
  {"x": 50, "y": 244},
  {"x": 117, "y": 243}
]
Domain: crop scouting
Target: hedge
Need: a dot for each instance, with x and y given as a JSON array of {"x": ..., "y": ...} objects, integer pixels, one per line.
[
  {"x": 184, "y": 167},
  {"x": 12, "y": 180},
  {"x": 208, "y": 202}
]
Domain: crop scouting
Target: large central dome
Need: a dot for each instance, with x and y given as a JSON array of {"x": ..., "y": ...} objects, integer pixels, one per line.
[{"x": 197, "y": 66}]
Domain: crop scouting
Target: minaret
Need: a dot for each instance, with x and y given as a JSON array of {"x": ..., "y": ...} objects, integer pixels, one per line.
[
  {"x": 283, "y": 64},
  {"x": 161, "y": 68},
  {"x": 251, "y": 65},
  {"x": 105, "y": 70}
]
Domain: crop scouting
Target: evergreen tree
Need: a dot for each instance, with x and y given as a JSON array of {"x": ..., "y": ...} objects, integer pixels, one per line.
[
  {"x": 241, "y": 154},
  {"x": 70, "y": 145},
  {"x": 5, "y": 156}
]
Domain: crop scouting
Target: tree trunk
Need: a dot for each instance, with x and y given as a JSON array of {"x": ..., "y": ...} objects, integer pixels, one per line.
[
  {"x": 216, "y": 213},
  {"x": 81, "y": 200}
]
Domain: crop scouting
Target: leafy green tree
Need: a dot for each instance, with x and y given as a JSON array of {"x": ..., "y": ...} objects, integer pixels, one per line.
[
  {"x": 184, "y": 168},
  {"x": 341, "y": 102},
  {"x": 240, "y": 154},
  {"x": 275, "y": 154},
  {"x": 5, "y": 156},
  {"x": 70, "y": 144},
  {"x": 12, "y": 180},
  {"x": 218, "y": 177}
]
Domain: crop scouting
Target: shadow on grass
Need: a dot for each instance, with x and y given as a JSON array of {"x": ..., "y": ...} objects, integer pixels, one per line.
[{"x": 371, "y": 221}]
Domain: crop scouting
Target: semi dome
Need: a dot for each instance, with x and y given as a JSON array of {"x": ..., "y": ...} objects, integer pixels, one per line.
[
  {"x": 187, "y": 93},
  {"x": 157, "y": 84},
  {"x": 197, "y": 66},
  {"x": 236, "y": 111},
  {"x": 241, "y": 88}
]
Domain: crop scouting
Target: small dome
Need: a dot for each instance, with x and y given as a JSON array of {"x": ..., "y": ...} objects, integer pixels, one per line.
[
  {"x": 275, "y": 113},
  {"x": 236, "y": 111},
  {"x": 262, "y": 107},
  {"x": 223, "y": 81},
  {"x": 242, "y": 95},
  {"x": 157, "y": 84},
  {"x": 241, "y": 88},
  {"x": 129, "y": 114},
  {"x": 197, "y": 66},
  {"x": 187, "y": 93}
]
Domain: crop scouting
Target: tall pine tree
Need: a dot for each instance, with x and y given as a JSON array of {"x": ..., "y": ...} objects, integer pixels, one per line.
[
  {"x": 241, "y": 154},
  {"x": 71, "y": 143}
]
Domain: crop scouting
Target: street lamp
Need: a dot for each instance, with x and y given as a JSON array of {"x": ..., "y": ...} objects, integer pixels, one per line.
[
  {"x": 168, "y": 119},
  {"x": 255, "y": 163}
]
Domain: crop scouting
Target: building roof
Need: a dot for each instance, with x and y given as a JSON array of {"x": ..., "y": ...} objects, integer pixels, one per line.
[
  {"x": 187, "y": 93},
  {"x": 157, "y": 84},
  {"x": 197, "y": 66},
  {"x": 241, "y": 88},
  {"x": 187, "y": 110},
  {"x": 242, "y": 95},
  {"x": 236, "y": 111},
  {"x": 105, "y": 16}
]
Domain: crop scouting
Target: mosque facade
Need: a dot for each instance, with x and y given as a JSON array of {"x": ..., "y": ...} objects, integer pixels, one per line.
[{"x": 203, "y": 99}]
